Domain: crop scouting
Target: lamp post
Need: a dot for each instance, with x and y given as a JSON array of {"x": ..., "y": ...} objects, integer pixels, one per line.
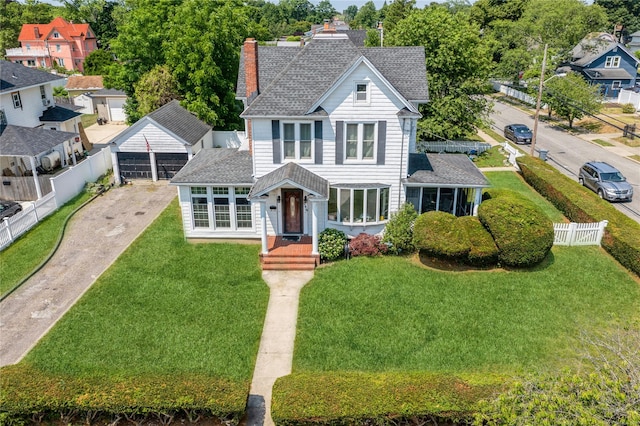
[{"x": 535, "y": 121}]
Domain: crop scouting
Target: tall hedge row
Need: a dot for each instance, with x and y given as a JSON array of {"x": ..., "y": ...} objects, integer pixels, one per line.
[
  {"x": 622, "y": 234},
  {"x": 348, "y": 398},
  {"x": 28, "y": 395},
  {"x": 523, "y": 233}
]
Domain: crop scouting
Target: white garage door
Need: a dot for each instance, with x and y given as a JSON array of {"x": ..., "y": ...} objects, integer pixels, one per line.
[{"x": 116, "y": 109}]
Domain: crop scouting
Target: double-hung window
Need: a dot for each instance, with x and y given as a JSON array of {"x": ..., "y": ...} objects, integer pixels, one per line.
[
  {"x": 355, "y": 205},
  {"x": 297, "y": 141},
  {"x": 612, "y": 62},
  {"x": 17, "y": 102},
  {"x": 243, "y": 208},
  {"x": 361, "y": 93},
  {"x": 221, "y": 207},
  {"x": 221, "y": 212},
  {"x": 200, "y": 207},
  {"x": 360, "y": 141}
]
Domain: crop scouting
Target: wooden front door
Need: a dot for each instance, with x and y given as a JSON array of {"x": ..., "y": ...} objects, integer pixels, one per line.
[{"x": 292, "y": 211}]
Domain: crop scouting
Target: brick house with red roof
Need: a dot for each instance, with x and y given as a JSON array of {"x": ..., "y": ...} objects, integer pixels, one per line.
[{"x": 61, "y": 42}]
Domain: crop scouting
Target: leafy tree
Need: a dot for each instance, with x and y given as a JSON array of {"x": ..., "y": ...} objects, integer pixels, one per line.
[
  {"x": 203, "y": 54},
  {"x": 399, "y": 231},
  {"x": 105, "y": 23},
  {"x": 484, "y": 12},
  {"x": 10, "y": 25},
  {"x": 373, "y": 38},
  {"x": 367, "y": 16},
  {"x": 350, "y": 13},
  {"x": 60, "y": 91},
  {"x": 397, "y": 11},
  {"x": 36, "y": 12},
  {"x": 457, "y": 69},
  {"x": 571, "y": 97},
  {"x": 324, "y": 10},
  {"x": 606, "y": 392},
  {"x": 156, "y": 88},
  {"x": 98, "y": 62},
  {"x": 298, "y": 10},
  {"x": 623, "y": 12}
]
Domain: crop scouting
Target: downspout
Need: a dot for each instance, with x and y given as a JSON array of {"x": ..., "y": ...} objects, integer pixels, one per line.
[{"x": 402, "y": 173}]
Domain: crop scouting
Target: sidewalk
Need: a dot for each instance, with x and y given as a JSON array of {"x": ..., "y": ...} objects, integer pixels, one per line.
[{"x": 95, "y": 238}]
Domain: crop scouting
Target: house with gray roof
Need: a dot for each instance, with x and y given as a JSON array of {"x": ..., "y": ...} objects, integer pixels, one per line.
[
  {"x": 604, "y": 62},
  {"x": 159, "y": 144},
  {"x": 329, "y": 142}
]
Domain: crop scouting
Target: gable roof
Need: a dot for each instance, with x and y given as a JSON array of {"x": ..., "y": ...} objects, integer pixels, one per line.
[
  {"x": 300, "y": 80},
  {"x": 66, "y": 30},
  {"x": 84, "y": 82},
  {"x": 27, "y": 141},
  {"x": 217, "y": 166},
  {"x": 291, "y": 173},
  {"x": 444, "y": 170},
  {"x": 16, "y": 76},
  {"x": 594, "y": 46},
  {"x": 181, "y": 122}
]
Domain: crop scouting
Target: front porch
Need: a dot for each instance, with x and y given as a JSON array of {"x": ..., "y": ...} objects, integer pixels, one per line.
[{"x": 287, "y": 254}]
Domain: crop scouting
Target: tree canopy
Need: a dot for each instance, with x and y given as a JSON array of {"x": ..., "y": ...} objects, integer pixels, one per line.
[{"x": 571, "y": 97}]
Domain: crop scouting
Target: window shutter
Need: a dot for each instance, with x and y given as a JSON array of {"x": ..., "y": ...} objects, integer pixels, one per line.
[
  {"x": 318, "y": 145},
  {"x": 275, "y": 133},
  {"x": 382, "y": 141},
  {"x": 339, "y": 141}
]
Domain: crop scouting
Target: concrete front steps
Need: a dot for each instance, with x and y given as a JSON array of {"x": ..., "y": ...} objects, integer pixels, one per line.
[{"x": 287, "y": 255}]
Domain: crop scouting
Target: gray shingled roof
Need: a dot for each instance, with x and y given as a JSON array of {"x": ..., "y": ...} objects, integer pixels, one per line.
[
  {"x": 291, "y": 173},
  {"x": 178, "y": 120},
  {"x": 16, "y": 76},
  {"x": 592, "y": 47},
  {"x": 59, "y": 114},
  {"x": 607, "y": 73},
  {"x": 317, "y": 66},
  {"x": 107, "y": 92},
  {"x": 447, "y": 169},
  {"x": 27, "y": 141},
  {"x": 217, "y": 166}
]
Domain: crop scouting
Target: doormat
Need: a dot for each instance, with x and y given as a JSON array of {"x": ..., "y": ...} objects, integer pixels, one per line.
[{"x": 294, "y": 238}]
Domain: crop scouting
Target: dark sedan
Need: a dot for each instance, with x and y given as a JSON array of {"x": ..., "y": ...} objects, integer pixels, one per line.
[
  {"x": 518, "y": 133},
  {"x": 9, "y": 208}
]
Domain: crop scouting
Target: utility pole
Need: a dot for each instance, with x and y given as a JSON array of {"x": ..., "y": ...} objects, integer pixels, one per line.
[{"x": 535, "y": 121}]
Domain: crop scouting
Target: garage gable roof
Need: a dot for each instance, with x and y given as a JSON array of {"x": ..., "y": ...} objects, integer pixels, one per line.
[{"x": 181, "y": 122}]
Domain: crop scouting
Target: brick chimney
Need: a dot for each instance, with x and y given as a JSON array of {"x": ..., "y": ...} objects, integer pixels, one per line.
[
  {"x": 251, "y": 67},
  {"x": 36, "y": 32}
]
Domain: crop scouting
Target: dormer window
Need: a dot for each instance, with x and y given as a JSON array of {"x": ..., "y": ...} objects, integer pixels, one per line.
[
  {"x": 612, "y": 62},
  {"x": 362, "y": 93},
  {"x": 56, "y": 35}
]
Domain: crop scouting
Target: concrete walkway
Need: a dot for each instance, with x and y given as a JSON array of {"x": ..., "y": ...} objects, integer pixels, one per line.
[
  {"x": 95, "y": 238},
  {"x": 275, "y": 356}
]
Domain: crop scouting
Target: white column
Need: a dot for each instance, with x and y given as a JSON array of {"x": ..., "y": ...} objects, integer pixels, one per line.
[
  {"x": 478, "y": 200},
  {"x": 455, "y": 201},
  {"x": 116, "y": 168},
  {"x": 263, "y": 224},
  {"x": 154, "y": 167},
  {"x": 32, "y": 161},
  {"x": 314, "y": 227}
]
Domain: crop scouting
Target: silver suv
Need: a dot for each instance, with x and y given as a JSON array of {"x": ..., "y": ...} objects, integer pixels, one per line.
[{"x": 605, "y": 180}]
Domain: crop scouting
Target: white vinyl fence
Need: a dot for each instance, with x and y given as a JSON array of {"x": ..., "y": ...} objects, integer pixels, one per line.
[
  {"x": 65, "y": 186},
  {"x": 629, "y": 97},
  {"x": 513, "y": 154},
  {"x": 578, "y": 234}
]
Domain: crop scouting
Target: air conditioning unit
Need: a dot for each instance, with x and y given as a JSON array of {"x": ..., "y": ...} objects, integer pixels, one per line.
[
  {"x": 50, "y": 161},
  {"x": 46, "y": 102}
]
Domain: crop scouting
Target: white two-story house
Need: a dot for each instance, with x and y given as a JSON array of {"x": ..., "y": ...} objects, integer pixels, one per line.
[{"x": 330, "y": 142}]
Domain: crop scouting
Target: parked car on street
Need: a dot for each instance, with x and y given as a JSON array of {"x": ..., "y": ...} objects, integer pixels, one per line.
[
  {"x": 518, "y": 133},
  {"x": 9, "y": 208},
  {"x": 606, "y": 181}
]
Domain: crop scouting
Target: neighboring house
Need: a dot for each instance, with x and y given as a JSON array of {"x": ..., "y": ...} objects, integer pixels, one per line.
[
  {"x": 159, "y": 144},
  {"x": 79, "y": 84},
  {"x": 107, "y": 103},
  {"x": 35, "y": 134},
  {"x": 330, "y": 143},
  {"x": 602, "y": 61},
  {"x": 634, "y": 44}
]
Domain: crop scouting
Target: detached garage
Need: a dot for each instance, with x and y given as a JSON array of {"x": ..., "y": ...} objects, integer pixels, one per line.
[
  {"x": 109, "y": 104},
  {"x": 159, "y": 144}
]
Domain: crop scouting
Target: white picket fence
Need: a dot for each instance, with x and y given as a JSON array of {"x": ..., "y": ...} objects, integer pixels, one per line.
[
  {"x": 513, "y": 154},
  {"x": 65, "y": 186},
  {"x": 578, "y": 234}
]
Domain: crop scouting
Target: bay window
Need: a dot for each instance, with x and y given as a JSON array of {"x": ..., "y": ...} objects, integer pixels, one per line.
[{"x": 358, "y": 205}]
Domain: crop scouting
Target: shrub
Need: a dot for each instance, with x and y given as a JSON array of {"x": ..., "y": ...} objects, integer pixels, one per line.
[
  {"x": 483, "y": 250},
  {"x": 622, "y": 234},
  {"x": 367, "y": 245},
  {"x": 628, "y": 108},
  {"x": 522, "y": 232},
  {"x": 436, "y": 234},
  {"x": 331, "y": 243},
  {"x": 399, "y": 230}
]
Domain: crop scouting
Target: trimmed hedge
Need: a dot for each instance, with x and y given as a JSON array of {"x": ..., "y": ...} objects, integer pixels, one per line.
[
  {"x": 483, "y": 250},
  {"x": 579, "y": 204},
  {"x": 523, "y": 233},
  {"x": 437, "y": 234},
  {"x": 347, "y": 398},
  {"x": 331, "y": 243},
  {"x": 30, "y": 395},
  {"x": 399, "y": 230}
]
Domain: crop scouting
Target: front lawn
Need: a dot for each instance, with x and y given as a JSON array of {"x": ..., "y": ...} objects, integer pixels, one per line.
[
  {"x": 393, "y": 314},
  {"x": 166, "y": 307}
]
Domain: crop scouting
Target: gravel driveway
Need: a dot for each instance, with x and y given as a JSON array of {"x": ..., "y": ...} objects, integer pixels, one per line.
[{"x": 94, "y": 239}]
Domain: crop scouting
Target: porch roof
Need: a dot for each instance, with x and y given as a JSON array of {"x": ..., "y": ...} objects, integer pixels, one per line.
[
  {"x": 59, "y": 114},
  {"x": 608, "y": 74},
  {"x": 217, "y": 166},
  {"x": 291, "y": 173},
  {"x": 18, "y": 141},
  {"x": 444, "y": 169}
]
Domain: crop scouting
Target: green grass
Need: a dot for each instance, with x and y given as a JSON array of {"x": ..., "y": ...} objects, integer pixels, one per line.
[
  {"x": 20, "y": 258},
  {"x": 494, "y": 157},
  {"x": 513, "y": 181},
  {"x": 602, "y": 142},
  {"x": 635, "y": 157},
  {"x": 495, "y": 135},
  {"x": 165, "y": 307},
  {"x": 88, "y": 120},
  {"x": 390, "y": 314}
]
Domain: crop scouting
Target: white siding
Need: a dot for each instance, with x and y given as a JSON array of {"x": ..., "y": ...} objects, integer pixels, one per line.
[
  {"x": 32, "y": 108},
  {"x": 159, "y": 141}
]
